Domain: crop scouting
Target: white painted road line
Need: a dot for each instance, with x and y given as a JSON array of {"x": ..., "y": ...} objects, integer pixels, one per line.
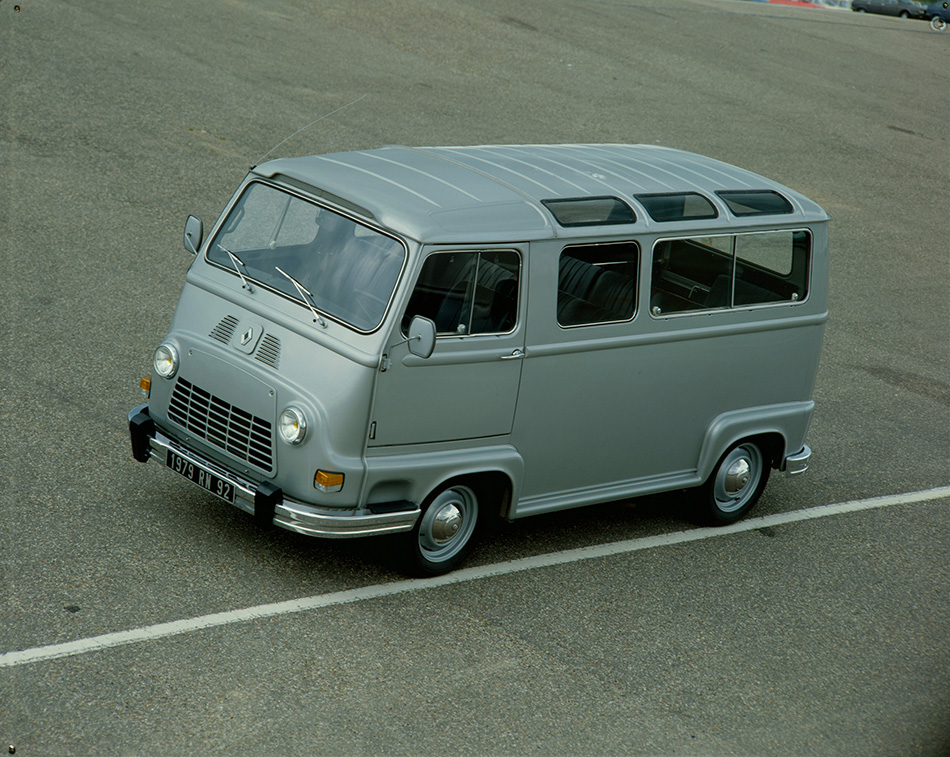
[{"x": 178, "y": 627}]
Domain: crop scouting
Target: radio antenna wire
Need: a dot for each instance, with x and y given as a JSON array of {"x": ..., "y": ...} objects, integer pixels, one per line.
[{"x": 326, "y": 115}]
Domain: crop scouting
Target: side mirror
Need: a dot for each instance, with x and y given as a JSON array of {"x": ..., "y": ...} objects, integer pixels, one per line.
[
  {"x": 421, "y": 336},
  {"x": 193, "y": 234}
]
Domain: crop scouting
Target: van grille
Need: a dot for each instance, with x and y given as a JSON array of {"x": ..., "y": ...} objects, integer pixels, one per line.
[{"x": 223, "y": 425}]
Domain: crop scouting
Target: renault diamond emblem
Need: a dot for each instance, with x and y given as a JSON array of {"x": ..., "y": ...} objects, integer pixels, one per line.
[{"x": 249, "y": 337}]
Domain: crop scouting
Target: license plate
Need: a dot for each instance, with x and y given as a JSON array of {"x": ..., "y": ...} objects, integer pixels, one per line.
[{"x": 197, "y": 475}]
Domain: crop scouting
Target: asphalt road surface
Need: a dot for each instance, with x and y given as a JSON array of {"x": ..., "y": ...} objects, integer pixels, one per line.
[{"x": 816, "y": 630}]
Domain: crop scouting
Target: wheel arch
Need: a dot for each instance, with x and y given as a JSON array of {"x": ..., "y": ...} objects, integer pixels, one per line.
[
  {"x": 413, "y": 477},
  {"x": 776, "y": 428},
  {"x": 490, "y": 486}
]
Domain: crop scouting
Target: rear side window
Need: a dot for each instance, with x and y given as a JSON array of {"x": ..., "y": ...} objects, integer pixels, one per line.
[
  {"x": 467, "y": 293},
  {"x": 597, "y": 283},
  {"x": 726, "y": 271}
]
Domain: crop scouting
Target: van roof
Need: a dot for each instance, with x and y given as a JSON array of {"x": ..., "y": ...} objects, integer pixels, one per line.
[{"x": 497, "y": 193}]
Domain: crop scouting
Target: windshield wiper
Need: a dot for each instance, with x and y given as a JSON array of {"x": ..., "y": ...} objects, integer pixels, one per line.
[
  {"x": 306, "y": 296},
  {"x": 236, "y": 261}
]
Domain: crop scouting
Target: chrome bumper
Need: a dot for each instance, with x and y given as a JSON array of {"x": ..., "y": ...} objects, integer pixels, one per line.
[
  {"x": 797, "y": 463},
  {"x": 266, "y": 502}
]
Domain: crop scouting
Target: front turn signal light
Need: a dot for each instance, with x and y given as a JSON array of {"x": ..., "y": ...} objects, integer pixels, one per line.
[
  {"x": 145, "y": 385},
  {"x": 327, "y": 481}
]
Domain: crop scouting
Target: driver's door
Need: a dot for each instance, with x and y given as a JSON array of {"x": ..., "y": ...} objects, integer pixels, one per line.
[{"x": 468, "y": 387}]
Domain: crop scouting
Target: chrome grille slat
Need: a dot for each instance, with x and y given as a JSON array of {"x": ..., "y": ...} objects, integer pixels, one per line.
[{"x": 222, "y": 425}]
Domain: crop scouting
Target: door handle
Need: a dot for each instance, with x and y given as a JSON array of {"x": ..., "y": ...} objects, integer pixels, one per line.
[{"x": 515, "y": 355}]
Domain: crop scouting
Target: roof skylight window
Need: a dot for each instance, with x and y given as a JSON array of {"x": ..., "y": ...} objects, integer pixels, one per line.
[
  {"x": 677, "y": 206},
  {"x": 590, "y": 211},
  {"x": 755, "y": 202}
]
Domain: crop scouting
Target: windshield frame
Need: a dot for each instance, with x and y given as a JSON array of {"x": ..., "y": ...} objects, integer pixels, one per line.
[{"x": 249, "y": 273}]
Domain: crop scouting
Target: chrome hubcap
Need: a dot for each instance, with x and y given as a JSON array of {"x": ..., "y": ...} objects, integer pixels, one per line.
[
  {"x": 737, "y": 477},
  {"x": 446, "y": 524}
]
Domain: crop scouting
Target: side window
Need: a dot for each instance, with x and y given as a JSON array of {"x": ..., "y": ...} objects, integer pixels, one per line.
[
  {"x": 468, "y": 293},
  {"x": 709, "y": 273},
  {"x": 597, "y": 283}
]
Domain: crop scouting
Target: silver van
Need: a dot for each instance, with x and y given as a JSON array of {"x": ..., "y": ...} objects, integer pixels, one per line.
[{"x": 411, "y": 340}]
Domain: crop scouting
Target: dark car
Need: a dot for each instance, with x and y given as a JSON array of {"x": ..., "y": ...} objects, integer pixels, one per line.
[
  {"x": 939, "y": 14},
  {"x": 902, "y": 8}
]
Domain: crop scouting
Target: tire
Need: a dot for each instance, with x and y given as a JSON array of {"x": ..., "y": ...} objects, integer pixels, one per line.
[
  {"x": 735, "y": 484},
  {"x": 938, "y": 24},
  {"x": 904, "y": 14},
  {"x": 444, "y": 534}
]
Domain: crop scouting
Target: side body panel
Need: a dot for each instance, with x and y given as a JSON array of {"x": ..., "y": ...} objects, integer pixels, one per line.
[{"x": 614, "y": 410}]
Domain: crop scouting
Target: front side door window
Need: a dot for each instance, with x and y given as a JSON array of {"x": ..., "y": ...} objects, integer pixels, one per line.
[{"x": 468, "y": 293}]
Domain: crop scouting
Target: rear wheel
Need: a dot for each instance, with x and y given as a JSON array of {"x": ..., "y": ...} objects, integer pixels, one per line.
[
  {"x": 938, "y": 24},
  {"x": 443, "y": 535},
  {"x": 735, "y": 484}
]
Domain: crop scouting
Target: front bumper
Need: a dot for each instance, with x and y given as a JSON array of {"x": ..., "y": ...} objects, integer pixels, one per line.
[{"x": 268, "y": 503}]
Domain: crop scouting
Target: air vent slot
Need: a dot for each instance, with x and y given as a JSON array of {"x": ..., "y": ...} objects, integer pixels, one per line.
[
  {"x": 269, "y": 351},
  {"x": 225, "y": 329}
]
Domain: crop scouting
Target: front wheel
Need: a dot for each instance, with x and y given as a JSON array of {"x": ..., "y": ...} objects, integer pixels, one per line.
[
  {"x": 938, "y": 24},
  {"x": 443, "y": 535},
  {"x": 735, "y": 484}
]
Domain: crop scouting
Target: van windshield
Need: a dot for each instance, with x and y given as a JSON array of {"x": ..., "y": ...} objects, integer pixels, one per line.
[{"x": 350, "y": 270}]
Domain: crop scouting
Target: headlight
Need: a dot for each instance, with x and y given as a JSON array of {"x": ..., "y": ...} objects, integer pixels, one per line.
[
  {"x": 292, "y": 425},
  {"x": 165, "y": 360}
]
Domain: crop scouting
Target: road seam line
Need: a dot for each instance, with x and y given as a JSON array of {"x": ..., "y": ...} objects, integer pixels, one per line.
[{"x": 349, "y": 596}]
